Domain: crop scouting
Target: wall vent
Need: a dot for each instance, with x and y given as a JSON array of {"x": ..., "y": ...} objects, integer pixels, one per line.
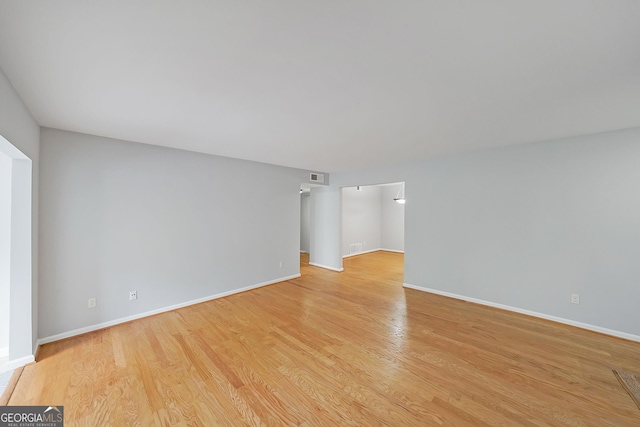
[
  {"x": 355, "y": 248},
  {"x": 316, "y": 177}
]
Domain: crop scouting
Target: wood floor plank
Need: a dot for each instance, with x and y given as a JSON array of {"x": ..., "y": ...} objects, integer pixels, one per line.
[{"x": 352, "y": 348}]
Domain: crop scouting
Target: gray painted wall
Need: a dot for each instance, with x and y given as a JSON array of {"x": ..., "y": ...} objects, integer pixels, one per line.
[
  {"x": 173, "y": 225},
  {"x": 304, "y": 222},
  {"x": 325, "y": 218},
  {"x": 361, "y": 218},
  {"x": 391, "y": 219},
  {"x": 527, "y": 226},
  {"x": 524, "y": 226},
  {"x": 19, "y": 128}
]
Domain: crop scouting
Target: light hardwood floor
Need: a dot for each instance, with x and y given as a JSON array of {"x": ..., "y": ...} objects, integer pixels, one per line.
[{"x": 351, "y": 348}]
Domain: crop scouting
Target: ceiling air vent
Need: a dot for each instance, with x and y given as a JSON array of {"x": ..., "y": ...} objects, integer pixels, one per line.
[{"x": 316, "y": 177}]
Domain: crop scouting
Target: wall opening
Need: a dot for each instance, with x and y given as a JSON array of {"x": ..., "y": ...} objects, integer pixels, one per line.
[
  {"x": 372, "y": 220},
  {"x": 5, "y": 255},
  {"x": 305, "y": 224},
  {"x": 16, "y": 341}
]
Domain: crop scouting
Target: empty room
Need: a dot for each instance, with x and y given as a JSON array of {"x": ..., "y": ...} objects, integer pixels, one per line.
[{"x": 412, "y": 213}]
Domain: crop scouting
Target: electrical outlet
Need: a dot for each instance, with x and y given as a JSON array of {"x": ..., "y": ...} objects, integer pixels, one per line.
[
  {"x": 91, "y": 303},
  {"x": 281, "y": 264},
  {"x": 575, "y": 299},
  {"x": 133, "y": 295}
]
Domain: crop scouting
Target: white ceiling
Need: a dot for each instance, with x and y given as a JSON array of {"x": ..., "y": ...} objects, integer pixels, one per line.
[{"x": 326, "y": 85}]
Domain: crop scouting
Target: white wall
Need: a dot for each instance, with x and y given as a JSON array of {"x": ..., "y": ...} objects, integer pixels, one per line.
[
  {"x": 525, "y": 226},
  {"x": 325, "y": 218},
  {"x": 173, "y": 225},
  {"x": 305, "y": 230},
  {"x": 391, "y": 219},
  {"x": 5, "y": 248},
  {"x": 18, "y": 127},
  {"x": 361, "y": 218}
]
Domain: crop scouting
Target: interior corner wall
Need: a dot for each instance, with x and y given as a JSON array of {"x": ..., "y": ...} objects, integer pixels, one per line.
[
  {"x": 175, "y": 226},
  {"x": 361, "y": 218},
  {"x": 18, "y": 126},
  {"x": 391, "y": 219},
  {"x": 526, "y": 226}
]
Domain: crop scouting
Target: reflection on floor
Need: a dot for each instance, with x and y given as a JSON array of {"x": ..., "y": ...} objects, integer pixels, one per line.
[{"x": 333, "y": 348}]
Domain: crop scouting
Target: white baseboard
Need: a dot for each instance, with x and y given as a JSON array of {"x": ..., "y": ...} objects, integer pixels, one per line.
[
  {"x": 16, "y": 363},
  {"x": 326, "y": 266},
  {"x": 372, "y": 250},
  {"x": 581, "y": 325},
  {"x": 103, "y": 325},
  {"x": 303, "y": 252},
  {"x": 360, "y": 253}
]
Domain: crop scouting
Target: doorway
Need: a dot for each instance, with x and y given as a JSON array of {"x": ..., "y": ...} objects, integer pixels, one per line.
[
  {"x": 5, "y": 255},
  {"x": 16, "y": 307},
  {"x": 372, "y": 220},
  {"x": 305, "y": 224}
]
